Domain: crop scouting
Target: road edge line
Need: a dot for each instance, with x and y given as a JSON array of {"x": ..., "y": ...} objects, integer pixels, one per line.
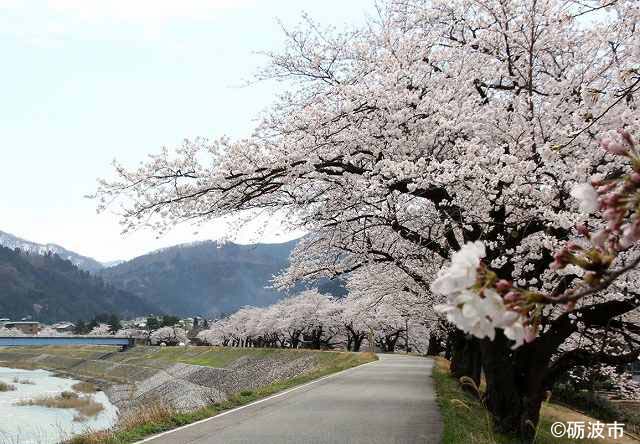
[{"x": 259, "y": 401}]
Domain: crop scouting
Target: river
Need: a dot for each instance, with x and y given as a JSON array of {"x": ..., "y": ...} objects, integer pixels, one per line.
[{"x": 42, "y": 425}]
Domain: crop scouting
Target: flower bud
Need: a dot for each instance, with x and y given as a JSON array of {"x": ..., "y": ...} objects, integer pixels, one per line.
[
  {"x": 612, "y": 199},
  {"x": 563, "y": 256},
  {"x": 613, "y": 147},
  {"x": 573, "y": 247},
  {"x": 582, "y": 230},
  {"x": 512, "y": 296},
  {"x": 503, "y": 285},
  {"x": 627, "y": 137}
]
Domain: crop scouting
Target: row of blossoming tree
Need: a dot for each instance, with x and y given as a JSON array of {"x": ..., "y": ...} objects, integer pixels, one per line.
[
  {"x": 317, "y": 321},
  {"x": 166, "y": 335},
  {"x": 448, "y": 131}
]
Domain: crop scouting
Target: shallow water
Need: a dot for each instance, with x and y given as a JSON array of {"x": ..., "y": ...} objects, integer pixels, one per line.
[{"x": 42, "y": 425}]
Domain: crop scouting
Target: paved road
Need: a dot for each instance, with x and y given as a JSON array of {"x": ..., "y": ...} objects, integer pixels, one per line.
[{"x": 391, "y": 401}]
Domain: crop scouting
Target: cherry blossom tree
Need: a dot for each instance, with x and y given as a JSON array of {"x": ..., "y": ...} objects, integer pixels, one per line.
[
  {"x": 599, "y": 297},
  {"x": 218, "y": 333},
  {"x": 101, "y": 330},
  {"x": 385, "y": 302},
  {"x": 169, "y": 336},
  {"x": 50, "y": 331},
  {"x": 135, "y": 333},
  {"x": 309, "y": 316},
  {"x": 10, "y": 332},
  {"x": 438, "y": 124},
  {"x": 313, "y": 320}
]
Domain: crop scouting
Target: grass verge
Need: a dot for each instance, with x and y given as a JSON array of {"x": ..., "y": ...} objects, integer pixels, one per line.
[
  {"x": 466, "y": 421},
  {"x": 156, "y": 418}
]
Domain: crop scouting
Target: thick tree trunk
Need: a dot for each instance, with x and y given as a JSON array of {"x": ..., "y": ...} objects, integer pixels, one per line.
[
  {"x": 316, "y": 338},
  {"x": 515, "y": 390},
  {"x": 390, "y": 343},
  {"x": 294, "y": 339},
  {"x": 448, "y": 348},
  {"x": 357, "y": 342},
  {"x": 349, "y": 342},
  {"x": 435, "y": 345},
  {"x": 465, "y": 356},
  {"x": 354, "y": 338}
]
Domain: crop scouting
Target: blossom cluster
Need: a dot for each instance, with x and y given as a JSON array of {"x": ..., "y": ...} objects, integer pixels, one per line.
[
  {"x": 479, "y": 303},
  {"x": 472, "y": 307},
  {"x": 617, "y": 199}
]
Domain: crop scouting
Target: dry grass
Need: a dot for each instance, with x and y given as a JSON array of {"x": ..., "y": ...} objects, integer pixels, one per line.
[
  {"x": 153, "y": 413},
  {"x": 17, "y": 380},
  {"x": 157, "y": 412},
  {"x": 4, "y": 387},
  {"x": 92, "y": 437},
  {"x": 84, "y": 387},
  {"x": 85, "y": 406}
]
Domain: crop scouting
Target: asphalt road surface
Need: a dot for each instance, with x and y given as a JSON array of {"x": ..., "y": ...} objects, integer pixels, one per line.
[{"x": 391, "y": 401}]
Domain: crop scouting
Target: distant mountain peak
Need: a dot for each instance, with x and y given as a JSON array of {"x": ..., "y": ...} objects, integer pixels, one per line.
[
  {"x": 110, "y": 264},
  {"x": 9, "y": 240}
]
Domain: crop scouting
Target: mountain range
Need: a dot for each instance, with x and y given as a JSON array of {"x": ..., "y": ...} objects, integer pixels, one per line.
[
  {"x": 205, "y": 278},
  {"x": 49, "y": 288},
  {"x": 85, "y": 263}
]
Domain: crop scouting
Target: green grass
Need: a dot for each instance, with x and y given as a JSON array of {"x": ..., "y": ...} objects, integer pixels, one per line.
[
  {"x": 466, "y": 420},
  {"x": 163, "y": 419},
  {"x": 208, "y": 356}
]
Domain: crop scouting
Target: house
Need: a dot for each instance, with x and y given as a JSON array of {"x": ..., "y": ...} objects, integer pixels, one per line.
[
  {"x": 64, "y": 327},
  {"x": 26, "y": 327}
]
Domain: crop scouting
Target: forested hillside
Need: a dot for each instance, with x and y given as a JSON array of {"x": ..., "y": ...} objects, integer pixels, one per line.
[
  {"x": 50, "y": 288},
  {"x": 204, "y": 278}
]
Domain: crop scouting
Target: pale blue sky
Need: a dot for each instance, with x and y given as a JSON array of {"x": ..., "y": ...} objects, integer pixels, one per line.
[{"x": 87, "y": 81}]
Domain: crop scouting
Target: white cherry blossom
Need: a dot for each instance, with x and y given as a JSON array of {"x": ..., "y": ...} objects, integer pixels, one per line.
[
  {"x": 587, "y": 196},
  {"x": 462, "y": 271}
]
